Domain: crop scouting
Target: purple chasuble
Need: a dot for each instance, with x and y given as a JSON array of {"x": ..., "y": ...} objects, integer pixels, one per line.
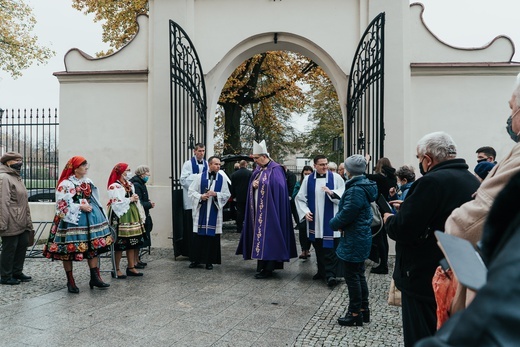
[{"x": 268, "y": 232}]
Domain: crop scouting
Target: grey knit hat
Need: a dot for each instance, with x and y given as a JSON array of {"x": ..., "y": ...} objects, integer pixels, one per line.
[{"x": 356, "y": 164}]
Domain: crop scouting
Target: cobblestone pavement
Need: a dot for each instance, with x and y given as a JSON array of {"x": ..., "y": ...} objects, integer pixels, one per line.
[{"x": 176, "y": 306}]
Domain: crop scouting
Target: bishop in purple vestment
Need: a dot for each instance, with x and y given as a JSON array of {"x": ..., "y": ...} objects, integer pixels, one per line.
[{"x": 268, "y": 233}]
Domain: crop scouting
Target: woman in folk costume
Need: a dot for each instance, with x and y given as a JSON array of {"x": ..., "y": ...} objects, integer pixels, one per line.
[
  {"x": 127, "y": 217},
  {"x": 209, "y": 193},
  {"x": 80, "y": 228}
]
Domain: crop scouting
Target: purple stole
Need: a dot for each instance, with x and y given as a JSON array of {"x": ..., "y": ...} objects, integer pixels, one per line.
[
  {"x": 328, "y": 233},
  {"x": 195, "y": 165},
  {"x": 260, "y": 219},
  {"x": 208, "y": 226}
]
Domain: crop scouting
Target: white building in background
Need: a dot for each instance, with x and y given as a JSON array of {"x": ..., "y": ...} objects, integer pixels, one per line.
[{"x": 117, "y": 108}]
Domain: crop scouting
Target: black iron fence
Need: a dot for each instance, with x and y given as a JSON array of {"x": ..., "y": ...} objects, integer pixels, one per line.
[{"x": 34, "y": 134}]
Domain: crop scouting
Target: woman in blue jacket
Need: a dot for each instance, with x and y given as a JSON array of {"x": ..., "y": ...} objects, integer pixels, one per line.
[{"x": 353, "y": 220}]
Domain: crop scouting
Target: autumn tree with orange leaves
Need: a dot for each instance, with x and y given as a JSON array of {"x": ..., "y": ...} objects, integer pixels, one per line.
[{"x": 19, "y": 47}]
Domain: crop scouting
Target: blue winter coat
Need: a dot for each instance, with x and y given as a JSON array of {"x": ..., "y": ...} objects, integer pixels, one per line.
[{"x": 354, "y": 218}]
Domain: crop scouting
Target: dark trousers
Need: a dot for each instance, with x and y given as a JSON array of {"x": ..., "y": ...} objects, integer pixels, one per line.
[
  {"x": 357, "y": 286},
  {"x": 205, "y": 249},
  {"x": 241, "y": 211},
  {"x": 182, "y": 245},
  {"x": 326, "y": 258},
  {"x": 419, "y": 319},
  {"x": 305, "y": 243},
  {"x": 13, "y": 254},
  {"x": 381, "y": 243}
]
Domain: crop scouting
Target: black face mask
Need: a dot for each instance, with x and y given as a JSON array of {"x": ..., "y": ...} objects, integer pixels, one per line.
[
  {"x": 17, "y": 166},
  {"x": 481, "y": 160},
  {"x": 421, "y": 169}
]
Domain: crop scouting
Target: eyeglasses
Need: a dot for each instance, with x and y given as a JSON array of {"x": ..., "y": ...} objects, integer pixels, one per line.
[
  {"x": 128, "y": 170},
  {"x": 256, "y": 157},
  {"x": 323, "y": 164}
]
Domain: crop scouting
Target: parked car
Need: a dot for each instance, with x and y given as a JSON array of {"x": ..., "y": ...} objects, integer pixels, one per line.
[
  {"x": 230, "y": 210},
  {"x": 41, "y": 195}
]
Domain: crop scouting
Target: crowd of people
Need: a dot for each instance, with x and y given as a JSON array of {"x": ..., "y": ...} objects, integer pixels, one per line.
[
  {"x": 331, "y": 208},
  {"x": 335, "y": 218}
]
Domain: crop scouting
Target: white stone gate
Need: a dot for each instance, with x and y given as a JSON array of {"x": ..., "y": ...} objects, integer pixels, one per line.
[{"x": 117, "y": 108}]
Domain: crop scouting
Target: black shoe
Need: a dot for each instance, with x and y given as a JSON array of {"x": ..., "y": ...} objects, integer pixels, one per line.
[
  {"x": 139, "y": 266},
  {"x": 22, "y": 277},
  {"x": 317, "y": 277},
  {"x": 95, "y": 279},
  {"x": 350, "y": 320},
  {"x": 119, "y": 277},
  {"x": 142, "y": 263},
  {"x": 264, "y": 274},
  {"x": 72, "y": 288},
  {"x": 209, "y": 266},
  {"x": 381, "y": 270},
  {"x": 331, "y": 282},
  {"x": 193, "y": 265},
  {"x": 10, "y": 281},
  {"x": 131, "y": 273},
  {"x": 366, "y": 315}
]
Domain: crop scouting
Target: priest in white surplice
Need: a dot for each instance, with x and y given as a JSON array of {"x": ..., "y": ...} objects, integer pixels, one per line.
[
  {"x": 208, "y": 192},
  {"x": 317, "y": 202}
]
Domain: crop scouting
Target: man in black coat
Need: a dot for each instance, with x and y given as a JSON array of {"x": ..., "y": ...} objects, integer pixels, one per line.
[
  {"x": 291, "y": 182},
  {"x": 239, "y": 186},
  {"x": 492, "y": 318},
  {"x": 446, "y": 184}
]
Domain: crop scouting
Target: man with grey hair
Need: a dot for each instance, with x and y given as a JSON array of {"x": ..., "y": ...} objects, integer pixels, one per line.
[
  {"x": 333, "y": 166},
  {"x": 446, "y": 184}
]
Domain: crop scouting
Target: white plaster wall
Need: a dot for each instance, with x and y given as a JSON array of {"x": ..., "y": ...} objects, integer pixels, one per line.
[
  {"x": 461, "y": 91},
  {"x": 472, "y": 108},
  {"x": 220, "y": 25},
  {"x": 428, "y": 48}
]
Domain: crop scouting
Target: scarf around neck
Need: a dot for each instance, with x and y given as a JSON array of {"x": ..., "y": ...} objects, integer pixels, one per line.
[
  {"x": 328, "y": 233},
  {"x": 208, "y": 226}
]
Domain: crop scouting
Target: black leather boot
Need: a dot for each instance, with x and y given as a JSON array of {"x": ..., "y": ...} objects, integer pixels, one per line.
[
  {"x": 71, "y": 284},
  {"x": 351, "y": 320},
  {"x": 95, "y": 279},
  {"x": 366, "y": 315}
]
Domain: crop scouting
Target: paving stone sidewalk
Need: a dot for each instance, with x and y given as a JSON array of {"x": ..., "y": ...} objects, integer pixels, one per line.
[{"x": 172, "y": 305}]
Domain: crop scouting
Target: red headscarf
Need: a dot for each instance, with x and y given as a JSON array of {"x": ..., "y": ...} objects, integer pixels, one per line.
[
  {"x": 116, "y": 173},
  {"x": 71, "y": 165}
]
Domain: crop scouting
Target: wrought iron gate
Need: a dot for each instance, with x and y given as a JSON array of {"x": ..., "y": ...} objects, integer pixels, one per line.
[
  {"x": 365, "y": 101},
  {"x": 187, "y": 113}
]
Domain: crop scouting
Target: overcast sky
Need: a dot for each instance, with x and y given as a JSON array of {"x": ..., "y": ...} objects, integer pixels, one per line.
[{"x": 464, "y": 23}]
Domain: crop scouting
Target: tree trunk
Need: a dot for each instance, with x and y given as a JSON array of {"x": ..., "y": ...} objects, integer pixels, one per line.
[{"x": 232, "y": 113}]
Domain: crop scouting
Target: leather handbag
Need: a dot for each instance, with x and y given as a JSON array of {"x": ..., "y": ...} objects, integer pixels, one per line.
[{"x": 394, "y": 295}]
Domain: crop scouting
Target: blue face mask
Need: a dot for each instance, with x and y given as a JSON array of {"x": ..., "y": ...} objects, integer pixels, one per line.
[
  {"x": 145, "y": 178},
  {"x": 514, "y": 136}
]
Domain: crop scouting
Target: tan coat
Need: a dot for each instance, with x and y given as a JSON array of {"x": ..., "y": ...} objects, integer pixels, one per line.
[
  {"x": 468, "y": 220},
  {"x": 15, "y": 216}
]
